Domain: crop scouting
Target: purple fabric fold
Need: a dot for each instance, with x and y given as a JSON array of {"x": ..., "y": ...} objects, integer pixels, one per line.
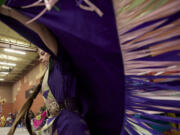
[{"x": 90, "y": 51}]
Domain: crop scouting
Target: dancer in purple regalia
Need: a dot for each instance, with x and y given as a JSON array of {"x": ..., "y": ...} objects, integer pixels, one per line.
[{"x": 115, "y": 58}]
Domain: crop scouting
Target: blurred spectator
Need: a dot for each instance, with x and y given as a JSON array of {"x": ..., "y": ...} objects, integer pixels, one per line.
[
  {"x": 3, "y": 120},
  {"x": 14, "y": 116},
  {"x": 9, "y": 120}
]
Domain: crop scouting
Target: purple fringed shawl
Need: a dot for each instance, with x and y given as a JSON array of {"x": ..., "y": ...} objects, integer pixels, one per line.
[
  {"x": 89, "y": 53},
  {"x": 91, "y": 45}
]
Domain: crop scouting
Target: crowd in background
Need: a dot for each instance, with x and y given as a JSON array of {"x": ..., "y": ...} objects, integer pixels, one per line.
[{"x": 8, "y": 121}]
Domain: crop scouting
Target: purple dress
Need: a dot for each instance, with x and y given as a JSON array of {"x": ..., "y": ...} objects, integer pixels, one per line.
[{"x": 61, "y": 120}]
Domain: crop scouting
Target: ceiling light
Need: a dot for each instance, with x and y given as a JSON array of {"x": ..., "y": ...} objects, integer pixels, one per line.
[
  {"x": 1, "y": 79},
  {"x": 5, "y": 73},
  {"x": 14, "y": 51},
  {"x": 4, "y": 67},
  {"x": 7, "y": 57},
  {"x": 8, "y": 64}
]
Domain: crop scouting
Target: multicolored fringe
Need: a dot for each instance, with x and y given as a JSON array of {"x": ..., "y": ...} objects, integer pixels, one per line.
[{"x": 149, "y": 32}]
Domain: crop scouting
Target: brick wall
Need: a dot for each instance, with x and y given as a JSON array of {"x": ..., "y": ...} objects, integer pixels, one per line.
[
  {"x": 28, "y": 81},
  {"x": 20, "y": 98},
  {"x": 7, "y": 108},
  {"x": 15, "y": 94},
  {"x": 6, "y": 92}
]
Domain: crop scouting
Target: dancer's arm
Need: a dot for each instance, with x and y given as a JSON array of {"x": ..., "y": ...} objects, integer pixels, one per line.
[{"x": 40, "y": 29}]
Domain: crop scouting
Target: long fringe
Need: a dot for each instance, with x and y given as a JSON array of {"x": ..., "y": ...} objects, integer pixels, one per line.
[
  {"x": 149, "y": 32},
  {"x": 48, "y": 4}
]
